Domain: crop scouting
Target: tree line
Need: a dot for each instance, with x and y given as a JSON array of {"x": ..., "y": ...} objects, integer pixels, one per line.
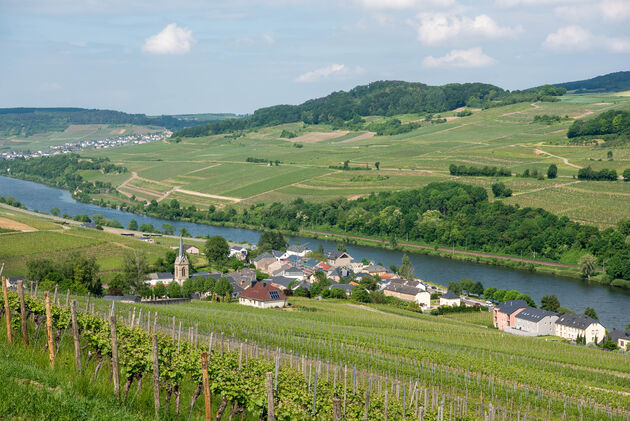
[
  {"x": 448, "y": 214},
  {"x": 613, "y": 122}
]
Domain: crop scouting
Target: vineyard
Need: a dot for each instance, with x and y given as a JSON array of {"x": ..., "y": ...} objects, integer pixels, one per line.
[{"x": 314, "y": 363}]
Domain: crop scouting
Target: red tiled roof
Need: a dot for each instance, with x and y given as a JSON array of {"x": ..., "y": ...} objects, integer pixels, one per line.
[
  {"x": 324, "y": 266},
  {"x": 261, "y": 291}
]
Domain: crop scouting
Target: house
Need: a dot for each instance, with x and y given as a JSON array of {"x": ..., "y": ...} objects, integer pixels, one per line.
[
  {"x": 536, "y": 321},
  {"x": 621, "y": 338},
  {"x": 155, "y": 278},
  {"x": 338, "y": 257},
  {"x": 450, "y": 299},
  {"x": 279, "y": 255},
  {"x": 338, "y": 273},
  {"x": 347, "y": 288},
  {"x": 408, "y": 293},
  {"x": 375, "y": 270},
  {"x": 239, "y": 252},
  {"x": 278, "y": 267},
  {"x": 280, "y": 282},
  {"x": 243, "y": 277},
  {"x": 504, "y": 313},
  {"x": 297, "y": 250},
  {"x": 263, "y": 261},
  {"x": 262, "y": 295},
  {"x": 290, "y": 271},
  {"x": 572, "y": 326},
  {"x": 188, "y": 248},
  {"x": 301, "y": 284}
]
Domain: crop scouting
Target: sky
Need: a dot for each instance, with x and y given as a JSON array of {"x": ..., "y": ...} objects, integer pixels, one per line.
[{"x": 202, "y": 56}]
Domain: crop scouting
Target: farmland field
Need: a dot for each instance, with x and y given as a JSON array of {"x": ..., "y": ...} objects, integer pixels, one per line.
[
  {"x": 52, "y": 240},
  {"x": 504, "y": 137}
]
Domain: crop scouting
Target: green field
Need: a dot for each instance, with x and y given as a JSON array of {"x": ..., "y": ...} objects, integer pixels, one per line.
[
  {"x": 504, "y": 136},
  {"x": 53, "y": 240}
]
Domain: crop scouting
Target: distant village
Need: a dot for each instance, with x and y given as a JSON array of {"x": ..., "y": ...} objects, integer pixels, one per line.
[
  {"x": 292, "y": 269},
  {"x": 71, "y": 147}
]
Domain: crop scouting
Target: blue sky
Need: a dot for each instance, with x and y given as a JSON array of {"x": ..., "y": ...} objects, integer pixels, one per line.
[{"x": 191, "y": 56}]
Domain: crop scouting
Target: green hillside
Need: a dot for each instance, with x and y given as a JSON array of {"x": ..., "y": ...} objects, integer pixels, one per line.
[
  {"x": 612, "y": 82},
  {"x": 386, "y": 98},
  {"x": 26, "y": 122}
]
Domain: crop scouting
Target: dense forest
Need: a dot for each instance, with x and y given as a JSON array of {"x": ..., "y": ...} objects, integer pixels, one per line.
[
  {"x": 612, "y": 82},
  {"x": 386, "y": 98},
  {"x": 29, "y": 121},
  {"x": 613, "y": 122},
  {"x": 62, "y": 171},
  {"x": 444, "y": 214}
]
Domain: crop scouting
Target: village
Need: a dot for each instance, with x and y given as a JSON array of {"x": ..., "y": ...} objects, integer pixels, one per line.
[
  {"x": 293, "y": 271},
  {"x": 73, "y": 147}
]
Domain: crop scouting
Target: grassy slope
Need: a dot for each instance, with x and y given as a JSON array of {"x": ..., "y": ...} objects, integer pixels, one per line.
[
  {"x": 504, "y": 136},
  {"x": 54, "y": 241}
]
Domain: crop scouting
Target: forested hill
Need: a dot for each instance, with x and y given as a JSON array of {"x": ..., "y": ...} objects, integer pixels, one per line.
[
  {"x": 29, "y": 121},
  {"x": 612, "y": 82},
  {"x": 378, "y": 98}
]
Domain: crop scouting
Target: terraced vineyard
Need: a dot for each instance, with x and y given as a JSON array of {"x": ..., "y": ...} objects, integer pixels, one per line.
[{"x": 459, "y": 355}]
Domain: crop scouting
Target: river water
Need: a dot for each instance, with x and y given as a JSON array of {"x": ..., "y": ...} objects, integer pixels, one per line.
[{"x": 611, "y": 304}]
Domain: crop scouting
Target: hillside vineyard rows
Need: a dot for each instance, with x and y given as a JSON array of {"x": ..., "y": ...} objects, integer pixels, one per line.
[{"x": 454, "y": 368}]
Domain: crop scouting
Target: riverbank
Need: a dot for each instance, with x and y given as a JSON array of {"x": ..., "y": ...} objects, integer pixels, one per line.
[{"x": 466, "y": 256}]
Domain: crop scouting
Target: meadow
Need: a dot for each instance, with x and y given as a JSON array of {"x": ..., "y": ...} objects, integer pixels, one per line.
[
  {"x": 54, "y": 240},
  {"x": 503, "y": 136}
]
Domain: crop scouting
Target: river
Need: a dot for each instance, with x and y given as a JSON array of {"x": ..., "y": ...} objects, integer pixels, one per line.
[{"x": 611, "y": 304}]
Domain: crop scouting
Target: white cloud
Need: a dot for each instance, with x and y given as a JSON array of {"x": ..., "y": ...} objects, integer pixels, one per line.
[
  {"x": 334, "y": 70},
  {"x": 574, "y": 38},
  {"x": 615, "y": 9},
  {"x": 171, "y": 40},
  {"x": 616, "y": 45},
  {"x": 472, "y": 57},
  {"x": 435, "y": 28}
]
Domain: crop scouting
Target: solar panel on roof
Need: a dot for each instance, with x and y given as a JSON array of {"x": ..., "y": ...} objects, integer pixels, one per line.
[{"x": 274, "y": 295}]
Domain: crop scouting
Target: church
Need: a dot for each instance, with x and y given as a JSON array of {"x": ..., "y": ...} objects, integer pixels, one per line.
[{"x": 181, "y": 270}]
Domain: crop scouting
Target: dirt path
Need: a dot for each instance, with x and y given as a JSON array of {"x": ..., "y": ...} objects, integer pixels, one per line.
[
  {"x": 565, "y": 160},
  {"x": 362, "y": 136},
  {"x": 448, "y": 250},
  {"x": 211, "y": 196}
]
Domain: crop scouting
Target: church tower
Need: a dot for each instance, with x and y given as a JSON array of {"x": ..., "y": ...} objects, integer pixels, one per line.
[{"x": 181, "y": 264}]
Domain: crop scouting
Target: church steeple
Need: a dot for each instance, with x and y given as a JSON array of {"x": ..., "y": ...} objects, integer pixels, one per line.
[{"x": 181, "y": 264}]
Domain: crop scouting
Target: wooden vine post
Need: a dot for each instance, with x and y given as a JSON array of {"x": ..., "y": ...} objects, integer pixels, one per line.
[
  {"x": 206, "y": 385},
  {"x": 75, "y": 334},
  {"x": 7, "y": 310},
  {"x": 51, "y": 348},
  {"x": 270, "y": 408},
  {"x": 156, "y": 378},
  {"x": 114, "y": 339},
  {"x": 336, "y": 409},
  {"x": 20, "y": 288}
]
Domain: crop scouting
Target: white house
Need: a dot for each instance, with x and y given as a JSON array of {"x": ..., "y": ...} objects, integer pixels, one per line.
[
  {"x": 536, "y": 321},
  {"x": 262, "y": 295},
  {"x": 450, "y": 299},
  {"x": 188, "y": 248},
  {"x": 240, "y": 252},
  {"x": 297, "y": 250},
  {"x": 570, "y": 326}
]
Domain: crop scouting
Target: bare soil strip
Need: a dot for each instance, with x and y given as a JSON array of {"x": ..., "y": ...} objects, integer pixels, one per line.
[
  {"x": 15, "y": 225},
  {"x": 211, "y": 196},
  {"x": 315, "y": 137},
  {"x": 362, "y": 136}
]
